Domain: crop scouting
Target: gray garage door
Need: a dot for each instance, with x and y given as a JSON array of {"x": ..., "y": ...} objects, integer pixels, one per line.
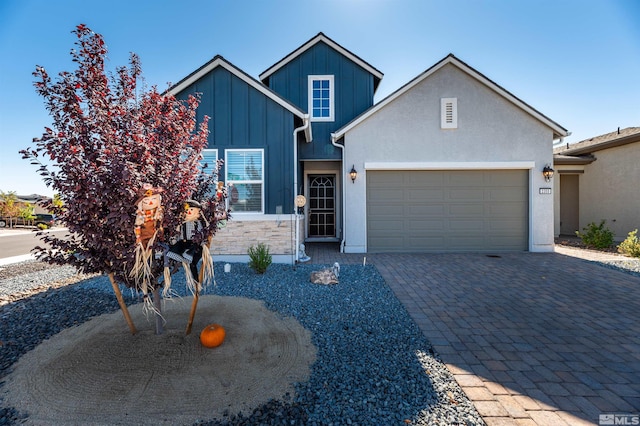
[{"x": 447, "y": 211}]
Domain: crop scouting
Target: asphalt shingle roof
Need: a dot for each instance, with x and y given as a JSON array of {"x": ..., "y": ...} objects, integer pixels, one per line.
[{"x": 597, "y": 143}]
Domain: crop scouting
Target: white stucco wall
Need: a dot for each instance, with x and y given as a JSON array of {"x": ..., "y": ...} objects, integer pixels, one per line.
[
  {"x": 609, "y": 189},
  {"x": 492, "y": 133}
]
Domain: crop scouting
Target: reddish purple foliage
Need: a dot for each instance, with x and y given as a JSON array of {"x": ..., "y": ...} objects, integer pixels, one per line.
[{"x": 105, "y": 142}]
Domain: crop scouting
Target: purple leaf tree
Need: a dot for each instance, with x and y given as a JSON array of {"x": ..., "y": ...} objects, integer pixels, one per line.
[{"x": 109, "y": 138}]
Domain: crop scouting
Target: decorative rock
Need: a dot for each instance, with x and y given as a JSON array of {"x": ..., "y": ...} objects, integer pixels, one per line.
[{"x": 326, "y": 276}]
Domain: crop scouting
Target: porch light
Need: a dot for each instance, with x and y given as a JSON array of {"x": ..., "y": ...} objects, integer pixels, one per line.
[
  {"x": 547, "y": 172},
  {"x": 353, "y": 173}
]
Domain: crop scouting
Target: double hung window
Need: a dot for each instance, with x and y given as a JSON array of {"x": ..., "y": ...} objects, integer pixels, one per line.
[
  {"x": 321, "y": 97},
  {"x": 245, "y": 179}
]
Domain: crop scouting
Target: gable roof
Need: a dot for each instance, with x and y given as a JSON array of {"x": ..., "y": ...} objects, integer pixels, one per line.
[
  {"x": 558, "y": 131},
  {"x": 598, "y": 143},
  {"x": 321, "y": 38},
  {"x": 219, "y": 61}
]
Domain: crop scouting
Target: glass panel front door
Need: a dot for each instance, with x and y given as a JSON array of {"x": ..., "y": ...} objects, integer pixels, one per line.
[{"x": 322, "y": 206}]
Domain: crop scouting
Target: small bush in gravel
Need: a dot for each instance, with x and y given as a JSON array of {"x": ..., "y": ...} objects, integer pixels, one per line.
[
  {"x": 260, "y": 259},
  {"x": 597, "y": 236},
  {"x": 631, "y": 245}
]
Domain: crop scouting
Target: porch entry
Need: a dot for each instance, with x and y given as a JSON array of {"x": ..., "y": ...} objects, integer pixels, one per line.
[
  {"x": 569, "y": 204},
  {"x": 322, "y": 206}
]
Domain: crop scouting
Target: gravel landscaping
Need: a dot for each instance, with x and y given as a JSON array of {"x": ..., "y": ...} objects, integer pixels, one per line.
[{"x": 373, "y": 364}]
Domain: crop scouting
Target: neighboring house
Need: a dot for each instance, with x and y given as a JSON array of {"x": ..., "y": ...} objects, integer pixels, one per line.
[
  {"x": 597, "y": 179},
  {"x": 35, "y": 200},
  {"x": 449, "y": 162}
]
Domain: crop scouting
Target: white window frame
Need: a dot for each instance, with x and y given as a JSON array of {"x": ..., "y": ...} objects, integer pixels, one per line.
[
  {"x": 310, "y": 81},
  {"x": 230, "y": 182},
  {"x": 449, "y": 113}
]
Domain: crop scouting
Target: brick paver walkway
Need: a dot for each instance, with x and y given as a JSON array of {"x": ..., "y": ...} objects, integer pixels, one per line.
[{"x": 532, "y": 338}]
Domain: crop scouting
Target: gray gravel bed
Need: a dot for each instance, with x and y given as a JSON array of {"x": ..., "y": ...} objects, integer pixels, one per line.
[
  {"x": 373, "y": 364},
  {"x": 630, "y": 266}
]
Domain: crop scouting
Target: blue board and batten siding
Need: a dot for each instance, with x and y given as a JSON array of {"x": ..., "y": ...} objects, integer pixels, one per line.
[
  {"x": 240, "y": 117},
  {"x": 353, "y": 94}
]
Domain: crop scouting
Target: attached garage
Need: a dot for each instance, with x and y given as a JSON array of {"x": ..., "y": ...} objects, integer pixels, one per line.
[{"x": 447, "y": 210}]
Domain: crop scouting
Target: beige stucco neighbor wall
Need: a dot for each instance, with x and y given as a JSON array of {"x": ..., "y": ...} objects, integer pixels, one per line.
[
  {"x": 492, "y": 133},
  {"x": 610, "y": 190},
  {"x": 276, "y": 231}
]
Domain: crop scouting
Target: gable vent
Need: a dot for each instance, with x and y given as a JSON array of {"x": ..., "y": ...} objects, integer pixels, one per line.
[{"x": 449, "y": 113}]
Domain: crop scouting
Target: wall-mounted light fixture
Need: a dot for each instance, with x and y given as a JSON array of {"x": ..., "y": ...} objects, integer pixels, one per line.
[
  {"x": 353, "y": 173},
  {"x": 547, "y": 172}
]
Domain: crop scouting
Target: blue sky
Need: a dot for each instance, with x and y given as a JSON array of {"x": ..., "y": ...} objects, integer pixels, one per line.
[{"x": 576, "y": 61}]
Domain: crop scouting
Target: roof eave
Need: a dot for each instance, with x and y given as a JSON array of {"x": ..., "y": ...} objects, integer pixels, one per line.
[
  {"x": 603, "y": 145},
  {"x": 219, "y": 61},
  {"x": 558, "y": 131},
  {"x": 560, "y": 160},
  {"x": 320, "y": 37}
]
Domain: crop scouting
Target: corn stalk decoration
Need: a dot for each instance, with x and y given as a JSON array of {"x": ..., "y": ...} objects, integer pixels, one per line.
[{"x": 108, "y": 139}]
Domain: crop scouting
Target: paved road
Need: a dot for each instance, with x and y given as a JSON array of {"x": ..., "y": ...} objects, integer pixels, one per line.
[{"x": 16, "y": 244}]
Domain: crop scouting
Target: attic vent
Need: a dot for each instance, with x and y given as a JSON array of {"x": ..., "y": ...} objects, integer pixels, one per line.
[{"x": 449, "y": 113}]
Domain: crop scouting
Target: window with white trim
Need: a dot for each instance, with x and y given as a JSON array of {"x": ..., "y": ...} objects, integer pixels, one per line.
[
  {"x": 244, "y": 173},
  {"x": 449, "y": 113},
  {"x": 208, "y": 165},
  {"x": 209, "y": 160},
  {"x": 321, "y": 98}
]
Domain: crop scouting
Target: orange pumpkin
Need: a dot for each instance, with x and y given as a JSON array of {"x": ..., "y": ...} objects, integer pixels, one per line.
[{"x": 212, "y": 336}]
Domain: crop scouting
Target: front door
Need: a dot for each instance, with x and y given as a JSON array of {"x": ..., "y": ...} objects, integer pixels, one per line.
[
  {"x": 569, "y": 204},
  {"x": 322, "y": 206}
]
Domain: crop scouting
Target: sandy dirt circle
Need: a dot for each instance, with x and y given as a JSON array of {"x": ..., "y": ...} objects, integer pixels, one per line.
[{"x": 99, "y": 373}]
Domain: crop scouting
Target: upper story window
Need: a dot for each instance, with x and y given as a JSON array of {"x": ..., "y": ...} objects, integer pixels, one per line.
[
  {"x": 245, "y": 179},
  {"x": 449, "y": 113},
  {"x": 321, "y": 98}
]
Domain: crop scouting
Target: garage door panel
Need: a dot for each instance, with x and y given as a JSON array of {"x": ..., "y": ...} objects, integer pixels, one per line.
[
  {"x": 505, "y": 210},
  {"x": 417, "y": 194},
  {"x": 426, "y": 210},
  {"x": 385, "y": 180},
  {"x": 423, "y": 243},
  {"x": 383, "y": 195},
  {"x": 477, "y": 194},
  {"x": 384, "y": 225},
  {"x": 507, "y": 178},
  {"x": 425, "y": 225},
  {"x": 507, "y": 194},
  {"x": 465, "y": 210},
  {"x": 467, "y": 178},
  {"x": 435, "y": 180},
  {"x": 444, "y": 211},
  {"x": 385, "y": 211},
  {"x": 504, "y": 226},
  {"x": 466, "y": 225}
]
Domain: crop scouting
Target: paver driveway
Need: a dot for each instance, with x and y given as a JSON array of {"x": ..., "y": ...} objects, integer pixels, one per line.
[{"x": 532, "y": 338}]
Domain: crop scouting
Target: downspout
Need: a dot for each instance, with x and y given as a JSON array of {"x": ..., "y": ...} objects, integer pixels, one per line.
[
  {"x": 305, "y": 125},
  {"x": 344, "y": 197}
]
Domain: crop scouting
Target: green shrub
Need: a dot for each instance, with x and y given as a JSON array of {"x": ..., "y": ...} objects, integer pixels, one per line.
[
  {"x": 631, "y": 245},
  {"x": 598, "y": 236},
  {"x": 260, "y": 259}
]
